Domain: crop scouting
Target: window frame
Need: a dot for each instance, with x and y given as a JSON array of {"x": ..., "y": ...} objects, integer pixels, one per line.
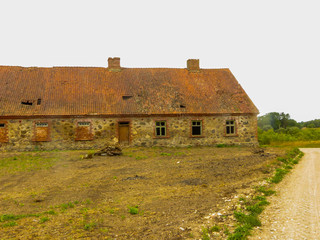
[
  {"x": 201, "y": 128},
  {"x": 160, "y": 127},
  {"x": 228, "y": 125},
  {"x": 166, "y": 128}
]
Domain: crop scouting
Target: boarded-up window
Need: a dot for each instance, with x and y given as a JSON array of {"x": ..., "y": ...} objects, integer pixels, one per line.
[
  {"x": 83, "y": 131},
  {"x": 4, "y": 132},
  {"x": 41, "y": 132}
]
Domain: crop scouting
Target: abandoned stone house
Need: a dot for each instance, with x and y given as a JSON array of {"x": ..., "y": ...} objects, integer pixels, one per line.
[{"x": 89, "y": 107}]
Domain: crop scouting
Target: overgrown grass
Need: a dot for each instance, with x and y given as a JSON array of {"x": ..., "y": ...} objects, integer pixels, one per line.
[{"x": 248, "y": 217}]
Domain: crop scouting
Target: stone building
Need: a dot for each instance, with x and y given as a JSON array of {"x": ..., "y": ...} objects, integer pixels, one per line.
[{"x": 89, "y": 107}]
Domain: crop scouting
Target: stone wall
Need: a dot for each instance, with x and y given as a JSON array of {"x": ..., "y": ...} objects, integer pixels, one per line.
[{"x": 95, "y": 132}]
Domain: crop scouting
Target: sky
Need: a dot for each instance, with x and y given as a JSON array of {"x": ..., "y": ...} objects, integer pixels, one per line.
[{"x": 271, "y": 47}]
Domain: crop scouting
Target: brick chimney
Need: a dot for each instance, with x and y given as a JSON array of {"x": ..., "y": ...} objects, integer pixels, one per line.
[
  {"x": 193, "y": 65},
  {"x": 114, "y": 64}
]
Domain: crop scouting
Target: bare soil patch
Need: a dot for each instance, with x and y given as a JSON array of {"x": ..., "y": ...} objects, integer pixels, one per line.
[{"x": 147, "y": 193}]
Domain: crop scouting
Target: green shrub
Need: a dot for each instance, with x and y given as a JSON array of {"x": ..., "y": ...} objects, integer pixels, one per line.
[{"x": 134, "y": 210}]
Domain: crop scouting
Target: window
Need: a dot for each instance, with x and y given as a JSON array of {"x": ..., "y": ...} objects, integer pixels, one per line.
[
  {"x": 230, "y": 127},
  {"x": 41, "y": 132},
  {"x": 83, "y": 131},
  {"x": 196, "y": 128},
  {"x": 42, "y": 124},
  {"x": 83, "y": 124},
  {"x": 4, "y": 132},
  {"x": 161, "y": 128}
]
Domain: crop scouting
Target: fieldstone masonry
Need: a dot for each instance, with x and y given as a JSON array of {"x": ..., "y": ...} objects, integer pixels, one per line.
[{"x": 67, "y": 133}]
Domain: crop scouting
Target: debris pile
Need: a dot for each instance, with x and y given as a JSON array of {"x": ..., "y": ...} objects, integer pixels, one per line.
[{"x": 109, "y": 151}]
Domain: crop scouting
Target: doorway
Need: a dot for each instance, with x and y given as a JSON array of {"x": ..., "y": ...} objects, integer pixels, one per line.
[{"x": 124, "y": 136}]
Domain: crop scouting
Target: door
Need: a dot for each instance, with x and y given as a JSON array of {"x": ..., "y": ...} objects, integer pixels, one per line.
[{"x": 124, "y": 133}]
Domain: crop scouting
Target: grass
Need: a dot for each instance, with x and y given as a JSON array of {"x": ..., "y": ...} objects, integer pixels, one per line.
[
  {"x": 248, "y": 217},
  {"x": 89, "y": 226},
  {"x": 25, "y": 162},
  {"x": 43, "y": 219}
]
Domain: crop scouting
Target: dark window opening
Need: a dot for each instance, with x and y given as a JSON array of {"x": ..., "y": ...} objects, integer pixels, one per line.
[
  {"x": 123, "y": 123},
  {"x": 196, "y": 128},
  {"x": 161, "y": 128},
  {"x": 2, "y": 125},
  {"x": 182, "y": 106},
  {"x": 230, "y": 127},
  {"x": 39, "y": 101},
  {"x": 126, "y": 97},
  {"x": 27, "y": 102}
]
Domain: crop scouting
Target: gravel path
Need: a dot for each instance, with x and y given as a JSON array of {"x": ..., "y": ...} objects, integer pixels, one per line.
[{"x": 295, "y": 212}]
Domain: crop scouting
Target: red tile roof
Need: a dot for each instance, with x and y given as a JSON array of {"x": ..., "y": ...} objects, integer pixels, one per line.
[{"x": 97, "y": 91}]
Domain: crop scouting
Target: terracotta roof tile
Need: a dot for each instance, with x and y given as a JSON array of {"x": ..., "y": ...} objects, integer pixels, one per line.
[{"x": 92, "y": 90}]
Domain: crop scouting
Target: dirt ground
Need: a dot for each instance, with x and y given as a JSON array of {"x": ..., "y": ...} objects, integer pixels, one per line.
[
  {"x": 295, "y": 212},
  {"x": 147, "y": 193}
]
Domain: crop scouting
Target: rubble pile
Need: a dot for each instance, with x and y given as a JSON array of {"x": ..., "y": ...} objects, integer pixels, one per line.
[{"x": 109, "y": 151}]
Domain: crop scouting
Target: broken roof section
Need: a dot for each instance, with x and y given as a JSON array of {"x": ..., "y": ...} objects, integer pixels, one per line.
[{"x": 66, "y": 91}]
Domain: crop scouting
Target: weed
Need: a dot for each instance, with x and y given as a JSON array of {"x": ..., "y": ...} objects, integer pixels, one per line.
[
  {"x": 215, "y": 228},
  {"x": 260, "y": 198},
  {"x": 221, "y": 145},
  {"x": 241, "y": 232},
  {"x": 123, "y": 217},
  {"x": 51, "y": 212},
  {"x": 133, "y": 210},
  {"x": 205, "y": 234},
  {"x": 43, "y": 219},
  {"x": 89, "y": 226},
  {"x": 165, "y": 154},
  {"x": 251, "y": 220},
  {"x": 141, "y": 157},
  {"x": 226, "y": 230},
  {"x": 10, "y": 224},
  {"x": 282, "y": 159},
  {"x": 266, "y": 192},
  {"x": 179, "y": 153},
  {"x": 65, "y": 206},
  {"x": 279, "y": 175}
]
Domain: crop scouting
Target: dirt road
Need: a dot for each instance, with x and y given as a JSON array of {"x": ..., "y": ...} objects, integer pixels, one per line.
[{"x": 295, "y": 211}]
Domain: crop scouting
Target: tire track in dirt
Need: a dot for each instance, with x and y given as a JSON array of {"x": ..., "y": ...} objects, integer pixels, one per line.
[{"x": 294, "y": 212}]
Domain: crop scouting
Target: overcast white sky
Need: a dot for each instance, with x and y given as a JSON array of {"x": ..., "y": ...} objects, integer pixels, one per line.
[{"x": 272, "y": 47}]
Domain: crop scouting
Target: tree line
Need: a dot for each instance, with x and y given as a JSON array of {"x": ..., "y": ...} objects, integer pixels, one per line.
[
  {"x": 275, "y": 121},
  {"x": 279, "y": 127}
]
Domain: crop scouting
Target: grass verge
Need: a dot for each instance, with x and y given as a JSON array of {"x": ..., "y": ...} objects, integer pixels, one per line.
[{"x": 248, "y": 216}]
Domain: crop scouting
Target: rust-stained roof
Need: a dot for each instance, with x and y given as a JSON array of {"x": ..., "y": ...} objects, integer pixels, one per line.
[{"x": 97, "y": 91}]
